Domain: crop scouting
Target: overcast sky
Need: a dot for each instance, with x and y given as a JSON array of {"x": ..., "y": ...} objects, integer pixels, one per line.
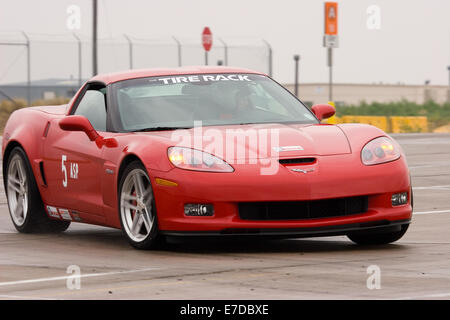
[{"x": 411, "y": 46}]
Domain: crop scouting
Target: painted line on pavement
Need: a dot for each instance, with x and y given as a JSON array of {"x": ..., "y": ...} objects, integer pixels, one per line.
[
  {"x": 71, "y": 276},
  {"x": 431, "y": 212},
  {"x": 443, "y": 187}
]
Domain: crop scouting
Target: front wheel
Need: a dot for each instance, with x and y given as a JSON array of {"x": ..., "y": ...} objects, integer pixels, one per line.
[
  {"x": 137, "y": 208},
  {"x": 378, "y": 238}
]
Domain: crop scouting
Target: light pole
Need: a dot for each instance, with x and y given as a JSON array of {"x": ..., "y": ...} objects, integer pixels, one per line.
[
  {"x": 296, "y": 59},
  {"x": 94, "y": 37},
  {"x": 330, "y": 74}
]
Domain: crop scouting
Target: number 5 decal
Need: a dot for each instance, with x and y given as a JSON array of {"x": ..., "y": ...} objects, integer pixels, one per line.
[{"x": 64, "y": 170}]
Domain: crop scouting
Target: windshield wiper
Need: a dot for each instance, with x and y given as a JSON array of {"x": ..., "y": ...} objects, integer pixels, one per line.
[{"x": 160, "y": 129}]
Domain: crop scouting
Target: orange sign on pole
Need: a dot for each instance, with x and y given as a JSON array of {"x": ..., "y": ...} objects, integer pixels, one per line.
[{"x": 331, "y": 21}]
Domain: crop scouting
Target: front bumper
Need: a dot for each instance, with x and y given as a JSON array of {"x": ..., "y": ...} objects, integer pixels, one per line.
[
  {"x": 335, "y": 230},
  {"x": 336, "y": 176}
]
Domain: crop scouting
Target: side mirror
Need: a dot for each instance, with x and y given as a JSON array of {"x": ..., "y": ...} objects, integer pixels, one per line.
[
  {"x": 323, "y": 111},
  {"x": 79, "y": 123}
]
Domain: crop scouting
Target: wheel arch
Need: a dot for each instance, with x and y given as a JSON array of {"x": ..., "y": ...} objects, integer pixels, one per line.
[
  {"x": 25, "y": 128},
  {"x": 129, "y": 158},
  {"x": 9, "y": 148}
]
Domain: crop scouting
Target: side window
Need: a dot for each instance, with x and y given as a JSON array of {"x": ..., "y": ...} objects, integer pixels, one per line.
[{"x": 93, "y": 107}]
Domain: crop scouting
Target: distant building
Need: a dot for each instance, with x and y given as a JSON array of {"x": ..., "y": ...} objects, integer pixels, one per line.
[
  {"x": 309, "y": 93},
  {"x": 40, "y": 89},
  {"x": 354, "y": 94}
]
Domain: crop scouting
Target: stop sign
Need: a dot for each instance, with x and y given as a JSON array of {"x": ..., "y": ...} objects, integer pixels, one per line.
[{"x": 207, "y": 39}]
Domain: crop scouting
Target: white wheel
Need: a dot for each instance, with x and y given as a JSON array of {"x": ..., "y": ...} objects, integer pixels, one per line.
[
  {"x": 137, "y": 209},
  {"x": 17, "y": 186}
]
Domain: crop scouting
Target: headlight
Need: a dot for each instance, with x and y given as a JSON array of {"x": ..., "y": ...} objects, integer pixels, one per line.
[
  {"x": 191, "y": 159},
  {"x": 379, "y": 150}
]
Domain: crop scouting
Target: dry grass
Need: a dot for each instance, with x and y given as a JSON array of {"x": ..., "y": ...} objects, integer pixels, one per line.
[{"x": 7, "y": 107}]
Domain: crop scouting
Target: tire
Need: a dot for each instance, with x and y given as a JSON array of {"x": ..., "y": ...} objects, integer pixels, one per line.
[
  {"x": 24, "y": 200},
  {"x": 137, "y": 210},
  {"x": 385, "y": 236}
]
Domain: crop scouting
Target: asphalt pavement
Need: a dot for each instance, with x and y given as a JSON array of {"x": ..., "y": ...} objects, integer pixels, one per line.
[{"x": 41, "y": 266}]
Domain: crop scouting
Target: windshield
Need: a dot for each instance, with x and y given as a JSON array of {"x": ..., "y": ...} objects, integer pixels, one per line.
[{"x": 167, "y": 102}]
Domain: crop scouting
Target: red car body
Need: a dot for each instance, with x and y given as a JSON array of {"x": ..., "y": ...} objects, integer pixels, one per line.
[{"x": 91, "y": 194}]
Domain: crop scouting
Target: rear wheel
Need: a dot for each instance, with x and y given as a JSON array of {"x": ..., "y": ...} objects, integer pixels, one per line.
[
  {"x": 137, "y": 208},
  {"x": 24, "y": 201},
  {"x": 383, "y": 236}
]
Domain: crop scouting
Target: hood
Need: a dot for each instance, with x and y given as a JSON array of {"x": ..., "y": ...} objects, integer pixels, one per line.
[{"x": 259, "y": 141}]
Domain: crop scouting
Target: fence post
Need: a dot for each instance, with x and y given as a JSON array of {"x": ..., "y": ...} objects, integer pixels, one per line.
[
  {"x": 270, "y": 56},
  {"x": 130, "y": 46},
  {"x": 225, "y": 48},
  {"x": 80, "y": 68},
  {"x": 179, "y": 50},
  {"x": 28, "y": 67}
]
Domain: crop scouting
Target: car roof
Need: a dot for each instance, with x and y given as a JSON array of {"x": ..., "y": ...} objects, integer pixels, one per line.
[{"x": 132, "y": 74}]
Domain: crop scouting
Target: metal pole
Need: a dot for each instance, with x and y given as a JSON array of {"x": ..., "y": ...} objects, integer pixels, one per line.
[
  {"x": 80, "y": 75},
  {"x": 130, "y": 48},
  {"x": 448, "y": 68},
  {"x": 10, "y": 99},
  {"x": 28, "y": 68},
  {"x": 206, "y": 58},
  {"x": 94, "y": 37},
  {"x": 296, "y": 59},
  {"x": 179, "y": 50},
  {"x": 225, "y": 53},
  {"x": 330, "y": 65},
  {"x": 270, "y": 56},
  {"x": 448, "y": 90}
]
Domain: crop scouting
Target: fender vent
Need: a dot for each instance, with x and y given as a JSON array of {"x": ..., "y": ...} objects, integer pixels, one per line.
[
  {"x": 47, "y": 127},
  {"x": 41, "y": 168}
]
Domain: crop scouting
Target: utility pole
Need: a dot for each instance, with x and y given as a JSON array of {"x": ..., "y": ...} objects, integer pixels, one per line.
[
  {"x": 94, "y": 38},
  {"x": 296, "y": 59}
]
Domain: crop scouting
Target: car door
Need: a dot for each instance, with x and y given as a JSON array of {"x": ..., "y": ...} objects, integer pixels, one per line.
[{"x": 73, "y": 162}]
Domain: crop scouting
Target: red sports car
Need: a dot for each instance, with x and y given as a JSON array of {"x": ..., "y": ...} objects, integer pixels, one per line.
[{"x": 203, "y": 151}]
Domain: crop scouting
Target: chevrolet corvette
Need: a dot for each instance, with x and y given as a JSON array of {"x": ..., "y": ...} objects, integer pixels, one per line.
[{"x": 202, "y": 151}]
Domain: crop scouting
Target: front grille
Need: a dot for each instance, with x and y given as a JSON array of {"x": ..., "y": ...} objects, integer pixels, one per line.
[
  {"x": 298, "y": 160},
  {"x": 303, "y": 210}
]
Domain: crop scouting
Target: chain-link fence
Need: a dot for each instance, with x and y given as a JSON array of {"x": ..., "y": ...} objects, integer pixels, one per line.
[{"x": 37, "y": 66}]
